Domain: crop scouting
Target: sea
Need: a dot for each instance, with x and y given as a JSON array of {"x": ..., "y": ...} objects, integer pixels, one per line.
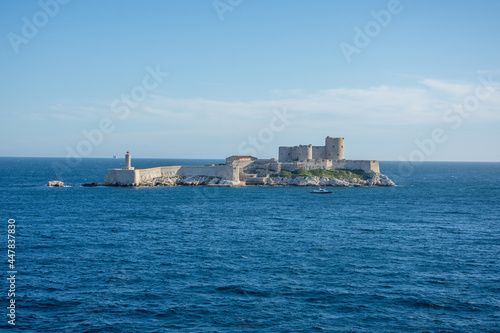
[{"x": 423, "y": 256}]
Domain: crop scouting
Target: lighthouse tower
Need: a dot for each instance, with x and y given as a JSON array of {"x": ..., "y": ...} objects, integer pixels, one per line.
[{"x": 128, "y": 162}]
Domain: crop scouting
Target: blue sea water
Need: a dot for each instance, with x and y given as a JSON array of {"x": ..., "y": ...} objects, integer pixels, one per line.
[{"x": 422, "y": 256}]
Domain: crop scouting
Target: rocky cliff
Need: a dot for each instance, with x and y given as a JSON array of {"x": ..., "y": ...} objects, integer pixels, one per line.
[
  {"x": 188, "y": 181},
  {"x": 374, "y": 179},
  {"x": 377, "y": 179}
]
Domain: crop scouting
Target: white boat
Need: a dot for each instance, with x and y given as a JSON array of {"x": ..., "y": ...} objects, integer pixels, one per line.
[{"x": 321, "y": 191}]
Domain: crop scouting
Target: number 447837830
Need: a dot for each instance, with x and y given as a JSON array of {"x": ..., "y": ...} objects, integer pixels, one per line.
[{"x": 11, "y": 253}]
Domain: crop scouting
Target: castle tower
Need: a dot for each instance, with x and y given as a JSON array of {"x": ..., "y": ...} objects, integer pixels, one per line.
[
  {"x": 128, "y": 162},
  {"x": 304, "y": 152},
  {"x": 334, "y": 148}
]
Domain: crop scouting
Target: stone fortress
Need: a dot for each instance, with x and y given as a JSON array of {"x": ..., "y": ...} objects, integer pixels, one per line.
[
  {"x": 244, "y": 170},
  {"x": 329, "y": 156},
  {"x": 332, "y": 150}
]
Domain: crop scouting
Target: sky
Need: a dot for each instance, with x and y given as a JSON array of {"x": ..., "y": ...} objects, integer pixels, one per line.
[{"x": 399, "y": 80}]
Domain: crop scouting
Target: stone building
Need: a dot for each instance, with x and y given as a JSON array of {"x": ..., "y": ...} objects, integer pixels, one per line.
[{"x": 332, "y": 150}]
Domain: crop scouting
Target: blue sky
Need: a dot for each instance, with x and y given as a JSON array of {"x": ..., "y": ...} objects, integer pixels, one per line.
[{"x": 422, "y": 84}]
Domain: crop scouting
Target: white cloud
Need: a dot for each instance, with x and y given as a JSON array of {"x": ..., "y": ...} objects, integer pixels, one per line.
[
  {"x": 372, "y": 106},
  {"x": 454, "y": 89},
  {"x": 364, "y": 108}
]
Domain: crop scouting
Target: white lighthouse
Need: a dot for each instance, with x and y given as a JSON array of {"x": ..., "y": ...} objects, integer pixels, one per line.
[{"x": 128, "y": 162}]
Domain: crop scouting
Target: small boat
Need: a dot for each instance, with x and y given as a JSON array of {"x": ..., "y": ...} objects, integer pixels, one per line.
[
  {"x": 114, "y": 156},
  {"x": 321, "y": 191}
]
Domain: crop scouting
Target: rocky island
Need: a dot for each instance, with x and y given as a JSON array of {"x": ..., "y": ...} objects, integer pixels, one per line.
[
  {"x": 303, "y": 165},
  {"x": 55, "y": 183}
]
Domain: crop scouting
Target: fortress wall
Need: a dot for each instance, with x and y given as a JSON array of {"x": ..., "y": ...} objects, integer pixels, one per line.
[
  {"x": 284, "y": 154},
  {"x": 302, "y": 152},
  {"x": 170, "y": 171},
  {"x": 318, "y": 152},
  {"x": 308, "y": 165},
  {"x": 332, "y": 150},
  {"x": 262, "y": 167},
  {"x": 222, "y": 171},
  {"x": 323, "y": 164},
  {"x": 192, "y": 171},
  {"x": 145, "y": 175},
  {"x": 294, "y": 153},
  {"x": 244, "y": 163},
  {"x": 366, "y": 166},
  {"x": 265, "y": 160},
  {"x": 374, "y": 166},
  {"x": 297, "y": 153},
  {"x": 121, "y": 177},
  {"x": 291, "y": 166}
]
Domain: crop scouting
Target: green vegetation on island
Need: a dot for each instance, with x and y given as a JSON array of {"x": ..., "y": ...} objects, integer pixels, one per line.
[{"x": 330, "y": 174}]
